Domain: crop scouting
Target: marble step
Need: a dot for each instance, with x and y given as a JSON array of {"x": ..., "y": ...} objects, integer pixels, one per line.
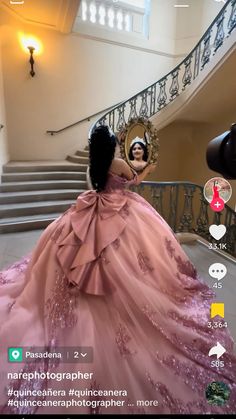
[
  {"x": 38, "y": 196},
  {"x": 43, "y": 166},
  {"x": 35, "y": 176},
  {"x": 32, "y": 208},
  {"x": 78, "y": 159},
  {"x": 24, "y": 223},
  {"x": 41, "y": 185},
  {"x": 83, "y": 153}
]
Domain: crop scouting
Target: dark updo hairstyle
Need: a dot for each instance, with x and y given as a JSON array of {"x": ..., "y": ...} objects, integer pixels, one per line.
[
  {"x": 145, "y": 153},
  {"x": 102, "y": 144}
]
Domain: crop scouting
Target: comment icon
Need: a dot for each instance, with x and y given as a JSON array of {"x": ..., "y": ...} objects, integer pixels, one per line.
[{"x": 217, "y": 271}]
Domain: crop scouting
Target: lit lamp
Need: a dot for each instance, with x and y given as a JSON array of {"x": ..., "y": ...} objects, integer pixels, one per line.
[
  {"x": 30, "y": 44},
  {"x": 31, "y": 61}
]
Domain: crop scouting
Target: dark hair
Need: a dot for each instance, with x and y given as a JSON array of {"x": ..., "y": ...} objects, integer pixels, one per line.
[
  {"x": 102, "y": 144},
  {"x": 145, "y": 154}
]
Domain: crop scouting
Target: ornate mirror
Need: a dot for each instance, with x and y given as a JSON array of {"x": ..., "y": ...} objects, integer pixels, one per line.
[{"x": 139, "y": 143}]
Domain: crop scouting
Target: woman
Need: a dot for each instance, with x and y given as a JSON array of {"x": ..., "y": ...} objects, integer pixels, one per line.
[
  {"x": 215, "y": 191},
  {"x": 138, "y": 154},
  {"x": 109, "y": 281},
  {"x": 217, "y": 203}
]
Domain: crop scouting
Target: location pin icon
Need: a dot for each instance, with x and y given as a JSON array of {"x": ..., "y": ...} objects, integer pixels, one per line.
[{"x": 15, "y": 354}]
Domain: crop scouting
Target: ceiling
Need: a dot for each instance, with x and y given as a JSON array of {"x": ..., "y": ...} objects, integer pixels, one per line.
[{"x": 57, "y": 15}]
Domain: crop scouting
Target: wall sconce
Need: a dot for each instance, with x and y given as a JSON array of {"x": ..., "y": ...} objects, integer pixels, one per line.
[
  {"x": 31, "y": 61},
  {"x": 30, "y": 45}
]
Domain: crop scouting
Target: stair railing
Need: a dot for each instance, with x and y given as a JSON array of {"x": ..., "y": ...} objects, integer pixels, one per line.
[
  {"x": 159, "y": 94},
  {"x": 185, "y": 209}
]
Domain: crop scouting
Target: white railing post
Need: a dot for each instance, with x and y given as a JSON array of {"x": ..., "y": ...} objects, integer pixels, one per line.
[
  {"x": 97, "y": 15},
  {"x": 118, "y": 16}
]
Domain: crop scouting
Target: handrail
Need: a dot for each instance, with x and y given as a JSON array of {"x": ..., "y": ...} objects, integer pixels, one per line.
[
  {"x": 183, "y": 205},
  {"x": 199, "y": 42},
  {"x": 155, "y": 97},
  {"x": 116, "y": 116},
  {"x": 170, "y": 182},
  {"x": 179, "y": 182},
  {"x": 52, "y": 132}
]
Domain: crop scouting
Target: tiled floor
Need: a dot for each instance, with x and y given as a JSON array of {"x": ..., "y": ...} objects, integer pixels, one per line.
[{"x": 15, "y": 245}]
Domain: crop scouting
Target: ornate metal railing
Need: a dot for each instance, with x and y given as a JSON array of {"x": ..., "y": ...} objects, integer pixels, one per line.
[
  {"x": 155, "y": 97},
  {"x": 183, "y": 206}
]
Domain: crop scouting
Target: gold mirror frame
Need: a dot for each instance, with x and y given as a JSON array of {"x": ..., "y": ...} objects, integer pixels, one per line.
[{"x": 138, "y": 127}]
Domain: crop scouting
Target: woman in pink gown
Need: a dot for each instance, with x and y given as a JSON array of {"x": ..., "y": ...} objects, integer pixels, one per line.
[
  {"x": 215, "y": 191},
  {"x": 217, "y": 203},
  {"x": 109, "y": 280}
]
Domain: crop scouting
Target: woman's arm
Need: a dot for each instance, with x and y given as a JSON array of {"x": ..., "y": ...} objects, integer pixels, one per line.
[
  {"x": 122, "y": 168},
  {"x": 146, "y": 171}
]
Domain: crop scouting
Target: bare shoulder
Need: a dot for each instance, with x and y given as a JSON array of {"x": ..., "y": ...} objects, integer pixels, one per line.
[
  {"x": 116, "y": 166},
  {"x": 121, "y": 168}
]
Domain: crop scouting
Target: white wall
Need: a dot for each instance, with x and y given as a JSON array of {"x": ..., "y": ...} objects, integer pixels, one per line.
[
  {"x": 209, "y": 12},
  {"x": 75, "y": 77},
  {"x": 188, "y": 27},
  {"x": 161, "y": 39},
  {"x": 193, "y": 21},
  {"x": 163, "y": 25},
  {"x": 4, "y": 157},
  {"x": 80, "y": 74}
]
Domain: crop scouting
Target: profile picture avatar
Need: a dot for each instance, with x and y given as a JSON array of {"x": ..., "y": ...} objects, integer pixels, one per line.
[{"x": 217, "y": 191}]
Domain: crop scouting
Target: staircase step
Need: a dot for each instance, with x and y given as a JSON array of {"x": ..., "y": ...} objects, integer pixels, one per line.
[
  {"x": 37, "y": 196},
  {"x": 34, "y": 193},
  {"x": 78, "y": 159},
  {"x": 83, "y": 153},
  {"x": 32, "y": 208},
  {"x": 35, "y": 176},
  {"x": 30, "y": 222},
  {"x": 13, "y": 167},
  {"x": 41, "y": 185}
]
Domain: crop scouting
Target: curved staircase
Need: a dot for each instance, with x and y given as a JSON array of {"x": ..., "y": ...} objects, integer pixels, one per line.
[
  {"x": 164, "y": 100},
  {"x": 33, "y": 194}
]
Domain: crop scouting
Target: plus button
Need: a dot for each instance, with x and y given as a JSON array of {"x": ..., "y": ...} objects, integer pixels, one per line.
[{"x": 217, "y": 205}]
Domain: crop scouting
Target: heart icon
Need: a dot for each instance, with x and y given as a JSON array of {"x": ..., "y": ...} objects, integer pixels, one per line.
[{"x": 217, "y": 231}]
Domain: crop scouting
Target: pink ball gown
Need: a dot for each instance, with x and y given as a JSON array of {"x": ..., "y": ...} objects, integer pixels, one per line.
[
  {"x": 109, "y": 274},
  {"x": 217, "y": 203}
]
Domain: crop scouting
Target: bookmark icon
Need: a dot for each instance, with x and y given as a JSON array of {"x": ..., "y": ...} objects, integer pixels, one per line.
[{"x": 217, "y": 309}]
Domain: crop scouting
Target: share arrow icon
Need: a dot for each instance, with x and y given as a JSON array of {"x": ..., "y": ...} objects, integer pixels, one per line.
[{"x": 217, "y": 350}]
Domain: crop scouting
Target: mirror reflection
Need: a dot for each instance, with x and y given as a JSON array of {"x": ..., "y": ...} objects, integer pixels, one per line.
[
  {"x": 138, "y": 153},
  {"x": 139, "y": 144}
]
